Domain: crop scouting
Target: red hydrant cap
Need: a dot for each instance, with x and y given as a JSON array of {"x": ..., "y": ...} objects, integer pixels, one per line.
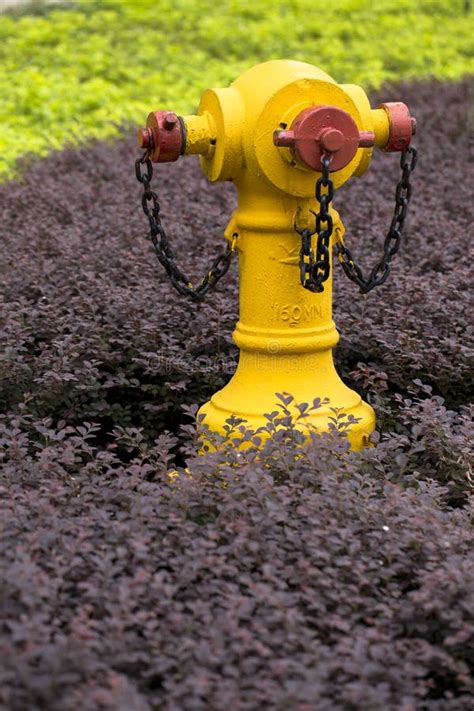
[
  {"x": 324, "y": 130},
  {"x": 163, "y": 137},
  {"x": 402, "y": 126}
]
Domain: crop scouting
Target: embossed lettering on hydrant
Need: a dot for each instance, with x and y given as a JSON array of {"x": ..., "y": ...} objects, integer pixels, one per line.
[{"x": 296, "y": 313}]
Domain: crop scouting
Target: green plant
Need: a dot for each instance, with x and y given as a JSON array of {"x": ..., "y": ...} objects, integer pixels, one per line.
[{"x": 72, "y": 74}]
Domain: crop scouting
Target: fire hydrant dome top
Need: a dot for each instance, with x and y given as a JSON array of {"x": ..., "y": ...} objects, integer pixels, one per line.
[
  {"x": 269, "y": 77},
  {"x": 265, "y": 98}
]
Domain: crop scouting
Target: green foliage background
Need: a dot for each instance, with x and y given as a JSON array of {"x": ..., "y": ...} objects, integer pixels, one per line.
[{"x": 82, "y": 71}]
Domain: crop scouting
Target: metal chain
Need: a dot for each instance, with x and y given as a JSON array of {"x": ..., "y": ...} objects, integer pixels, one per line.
[
  {"x": 381, "y": 269},
  {"x": 314, "y": 272},
  {"x": 162, "y": 247}
]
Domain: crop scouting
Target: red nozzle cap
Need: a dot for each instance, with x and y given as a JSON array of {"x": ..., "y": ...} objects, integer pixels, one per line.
[
  {"x": 163, "y": 136},
  {"x": 324, "y": 130},
  {"x": 402, "y": 126}
]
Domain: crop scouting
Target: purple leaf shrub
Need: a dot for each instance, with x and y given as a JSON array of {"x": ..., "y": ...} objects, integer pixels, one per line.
[{"x": 135, "y": 574}]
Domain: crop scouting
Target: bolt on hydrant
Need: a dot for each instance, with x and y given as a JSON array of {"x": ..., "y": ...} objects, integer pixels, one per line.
[{"x": 287, "y": 135}]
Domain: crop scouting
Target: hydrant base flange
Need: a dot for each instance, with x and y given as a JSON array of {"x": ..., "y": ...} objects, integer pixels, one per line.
[{"x": 216, "y": 417}]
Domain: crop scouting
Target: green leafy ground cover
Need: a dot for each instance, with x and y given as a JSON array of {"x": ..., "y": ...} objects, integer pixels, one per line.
[{"x": 81, "y": 72}]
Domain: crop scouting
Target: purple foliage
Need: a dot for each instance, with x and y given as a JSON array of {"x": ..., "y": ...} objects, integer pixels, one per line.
[{"x": 137, "y": 575}]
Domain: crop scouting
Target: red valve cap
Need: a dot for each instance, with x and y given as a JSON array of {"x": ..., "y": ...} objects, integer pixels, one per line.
[
  {"x": 163, "y": 137},
  {"x": 402, "y": 126},
  {"x": 324, "y": 130}
]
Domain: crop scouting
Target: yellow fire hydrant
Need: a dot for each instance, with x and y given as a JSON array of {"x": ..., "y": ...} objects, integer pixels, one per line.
[{"x": 273, "y": 132}]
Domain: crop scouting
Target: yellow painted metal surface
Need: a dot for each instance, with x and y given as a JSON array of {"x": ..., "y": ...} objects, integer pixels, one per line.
[{"x": 285, "y": 333}]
